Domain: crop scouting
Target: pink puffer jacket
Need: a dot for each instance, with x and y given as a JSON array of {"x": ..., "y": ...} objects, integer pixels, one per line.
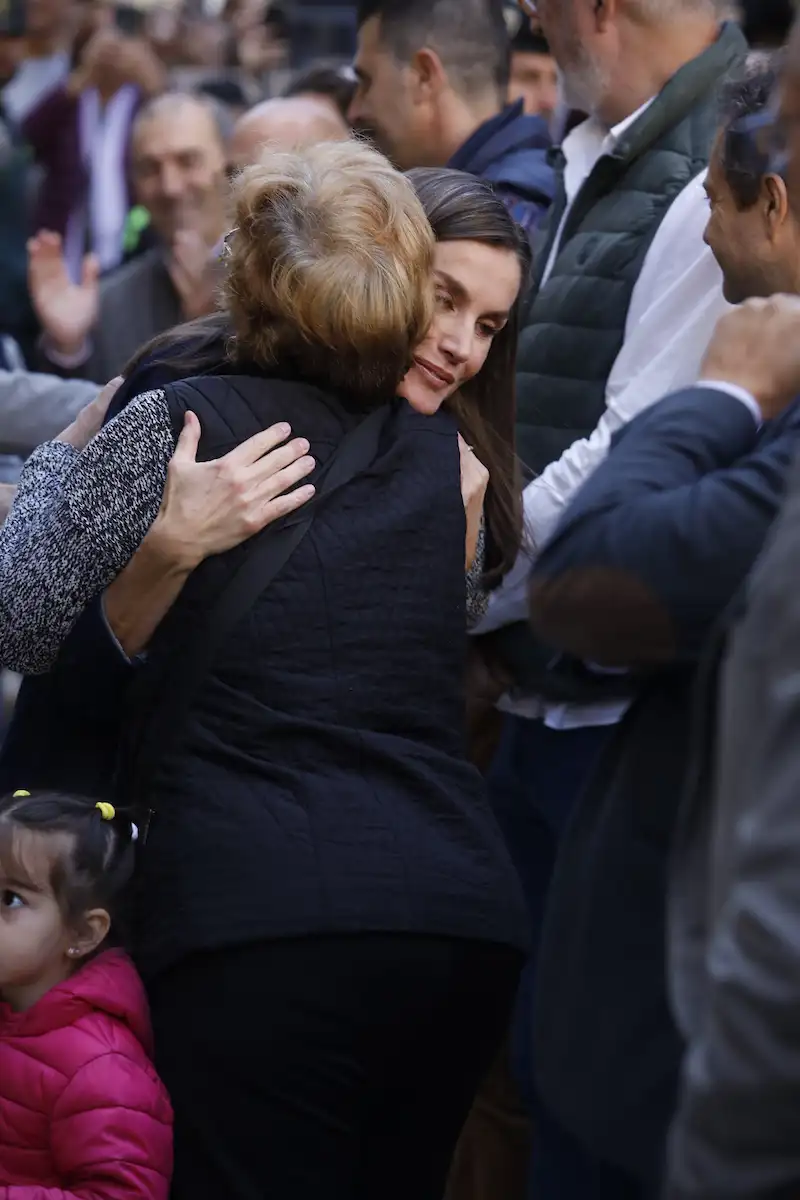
[{"x": 83, "y": 1115}]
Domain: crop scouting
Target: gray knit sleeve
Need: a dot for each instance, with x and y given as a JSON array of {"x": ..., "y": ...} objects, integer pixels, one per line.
[
  {"x": 77, "y": 520},
  {"x": 477, "y": 596}
]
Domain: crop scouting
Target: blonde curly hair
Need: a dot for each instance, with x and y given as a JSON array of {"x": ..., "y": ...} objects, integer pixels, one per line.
[{"x": 329, "y": 267}]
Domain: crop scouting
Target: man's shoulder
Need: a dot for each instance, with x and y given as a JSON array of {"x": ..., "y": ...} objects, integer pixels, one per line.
[{"x": 139, "y": 269}]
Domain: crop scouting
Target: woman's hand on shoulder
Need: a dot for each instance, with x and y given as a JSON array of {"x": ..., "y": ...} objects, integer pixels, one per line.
[
  {"x": 210, "y": 507},
  {"x": 474, "y": 482}
]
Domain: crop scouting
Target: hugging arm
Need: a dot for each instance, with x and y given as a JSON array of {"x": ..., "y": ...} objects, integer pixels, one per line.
[
  {"x": 207, "y": 508},
  {"x": 78, "y": 518}
]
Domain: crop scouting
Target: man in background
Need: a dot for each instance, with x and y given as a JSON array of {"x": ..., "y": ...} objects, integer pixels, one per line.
[
  {"x": 626, "y": 298},
  {"x": 734, "y": 901},
  {"x": 179, "y": 170},
  {"x": 284, "y": 124},
  {"x": 534, "y": 74},
  {"x": 643, "y": 565},
  {"x": 432, "y": 90},
  {"x": 753, "y": 226}
]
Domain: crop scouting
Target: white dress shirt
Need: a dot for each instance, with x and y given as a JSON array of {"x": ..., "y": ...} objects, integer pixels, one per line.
[{"x": 676, "y": 303}]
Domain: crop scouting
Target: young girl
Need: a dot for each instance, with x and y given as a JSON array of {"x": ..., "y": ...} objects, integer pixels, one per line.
[{"x": 82, "y": 1111}]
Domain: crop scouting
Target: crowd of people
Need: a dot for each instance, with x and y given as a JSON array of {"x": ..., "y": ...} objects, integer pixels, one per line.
[{"x": 399, "y": 490}]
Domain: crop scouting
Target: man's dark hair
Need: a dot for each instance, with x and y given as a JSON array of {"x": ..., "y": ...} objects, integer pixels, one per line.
[
  {"x": 470, "y": 37},
  {"x": 525, "y": 41},
  {"x": 227, "y": 92},
  {"x": 743, "y": 161},
  {"x": 333, "y": 80},
  {"x": 767, "y": 22}
]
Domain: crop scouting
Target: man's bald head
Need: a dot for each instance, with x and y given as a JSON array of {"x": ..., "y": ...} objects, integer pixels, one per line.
[{"x": 284, "y": 124}]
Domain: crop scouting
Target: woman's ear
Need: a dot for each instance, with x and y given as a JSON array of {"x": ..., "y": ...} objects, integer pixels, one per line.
[
  {"x": 94, "y": 928},
  {"x": 777, "y": 204}
]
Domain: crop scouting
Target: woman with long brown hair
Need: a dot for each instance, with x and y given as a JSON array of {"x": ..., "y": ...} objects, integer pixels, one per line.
[{"x": 326, "y": 915}]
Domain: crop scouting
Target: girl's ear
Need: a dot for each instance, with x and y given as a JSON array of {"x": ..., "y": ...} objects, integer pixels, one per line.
[{"x": 94, "y": 929}]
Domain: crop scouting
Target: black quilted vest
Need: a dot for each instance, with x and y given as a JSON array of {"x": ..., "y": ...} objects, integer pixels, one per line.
[
  {"x": 575, "y": 325},
  {"x": 319, "y": 783}
]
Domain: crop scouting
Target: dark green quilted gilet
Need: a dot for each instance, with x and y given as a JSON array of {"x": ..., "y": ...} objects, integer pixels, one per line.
[{"x": 575, "y": 324}]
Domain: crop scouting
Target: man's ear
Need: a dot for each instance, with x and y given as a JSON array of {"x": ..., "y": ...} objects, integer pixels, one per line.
[
  {"x": 428, "y": 74},
  {"x": 776, "y": 204}
]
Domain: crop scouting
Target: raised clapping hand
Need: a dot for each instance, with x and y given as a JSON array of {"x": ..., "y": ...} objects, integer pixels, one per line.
[{"x": 67, "y": 311}]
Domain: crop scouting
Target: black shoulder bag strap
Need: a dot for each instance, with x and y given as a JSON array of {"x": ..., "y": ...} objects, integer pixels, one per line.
[{"x": 165, "y": 721}]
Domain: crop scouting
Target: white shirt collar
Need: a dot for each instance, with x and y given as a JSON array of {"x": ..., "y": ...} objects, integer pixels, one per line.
[
  {"x": 590, "y": 141},
  {"x": 625, "y": 124}
]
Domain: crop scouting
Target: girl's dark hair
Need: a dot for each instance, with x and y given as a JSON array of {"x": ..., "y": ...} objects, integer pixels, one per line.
[
  {"x": 459, "y": 207},
  {"x": 463, "y": 208},
  {"x": 97, "y": 869}
]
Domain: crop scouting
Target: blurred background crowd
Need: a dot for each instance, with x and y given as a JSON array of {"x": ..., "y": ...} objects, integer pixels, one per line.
[
  {"x": 121, "y": 126},
  {"x": 79, "y": 165},
  {"x": 74, "y": 77}
]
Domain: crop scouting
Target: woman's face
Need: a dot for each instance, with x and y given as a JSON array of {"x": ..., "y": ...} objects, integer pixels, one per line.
[{"x": 476, "y": 286}]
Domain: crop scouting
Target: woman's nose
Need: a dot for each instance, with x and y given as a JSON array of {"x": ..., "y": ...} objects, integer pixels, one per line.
[{"x": 456, "y": 342}]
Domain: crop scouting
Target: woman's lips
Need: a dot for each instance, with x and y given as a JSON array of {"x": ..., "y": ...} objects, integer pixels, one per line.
[{"x": 437, "y": 375}]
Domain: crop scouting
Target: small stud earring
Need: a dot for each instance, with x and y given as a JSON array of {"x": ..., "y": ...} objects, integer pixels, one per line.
[{"x": 72, "y": 952}]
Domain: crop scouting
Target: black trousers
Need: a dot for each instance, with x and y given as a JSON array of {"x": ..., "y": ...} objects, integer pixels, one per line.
[{"x": 327, "y": 1068}]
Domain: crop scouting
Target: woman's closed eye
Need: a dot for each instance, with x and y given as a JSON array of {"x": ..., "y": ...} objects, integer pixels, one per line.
[{"x": 444, "y": 300}]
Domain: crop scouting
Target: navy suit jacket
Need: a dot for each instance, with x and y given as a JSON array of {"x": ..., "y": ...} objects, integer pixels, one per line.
[{"x": 646, "y": 561}]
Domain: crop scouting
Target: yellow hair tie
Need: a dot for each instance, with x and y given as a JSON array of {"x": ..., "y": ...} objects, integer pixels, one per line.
[
  {"x": 18, "y": 794},
  {"x": 107, "y": 811}
]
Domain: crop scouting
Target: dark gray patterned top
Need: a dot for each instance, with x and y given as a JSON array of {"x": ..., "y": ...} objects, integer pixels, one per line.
[{"x": 78, "y": 519}]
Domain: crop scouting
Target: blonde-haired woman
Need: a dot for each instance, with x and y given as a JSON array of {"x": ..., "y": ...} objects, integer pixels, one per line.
[{"x": 327, "y": 916}]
